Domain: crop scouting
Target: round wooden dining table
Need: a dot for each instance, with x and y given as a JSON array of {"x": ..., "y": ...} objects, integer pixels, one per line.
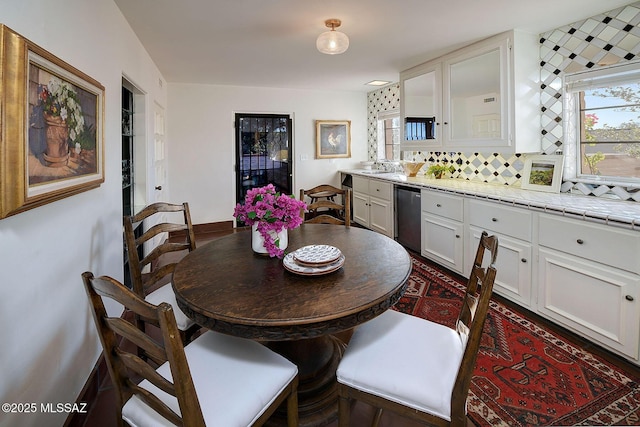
[{"x": 224, "y": 286}]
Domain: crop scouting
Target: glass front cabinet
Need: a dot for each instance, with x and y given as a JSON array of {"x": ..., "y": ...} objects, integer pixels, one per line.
[{"x": 482, "y": 98}]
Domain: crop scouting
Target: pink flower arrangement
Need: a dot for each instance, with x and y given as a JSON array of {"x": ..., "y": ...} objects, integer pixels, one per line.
[{"x": 272, "y": 212}]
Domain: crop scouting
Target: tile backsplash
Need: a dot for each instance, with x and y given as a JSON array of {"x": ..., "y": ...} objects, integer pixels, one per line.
[{"x": 609, "y": 38}]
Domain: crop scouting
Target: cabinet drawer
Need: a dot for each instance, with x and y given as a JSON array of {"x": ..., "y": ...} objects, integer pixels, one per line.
[
  {"x": 360, "y": 184},
  {"x": 444, "y": 205},
  {"x": 505, "y": 220},
  {"x": 601, "y": 243},
  {"x": 379, "y": 189}
]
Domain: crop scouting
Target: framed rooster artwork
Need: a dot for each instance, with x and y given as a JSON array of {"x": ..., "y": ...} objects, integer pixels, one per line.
[{"x": 333, "y": 139}]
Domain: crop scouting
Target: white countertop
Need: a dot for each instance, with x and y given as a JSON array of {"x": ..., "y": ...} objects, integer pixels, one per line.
[{"x": 589, "y": 208}]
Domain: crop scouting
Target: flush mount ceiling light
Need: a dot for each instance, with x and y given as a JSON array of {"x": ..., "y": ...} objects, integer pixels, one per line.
[{"x": 332, "y": 42}]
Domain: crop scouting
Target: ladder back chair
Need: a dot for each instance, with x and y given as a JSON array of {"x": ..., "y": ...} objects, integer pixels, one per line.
[
  {"x": 323, "y": 208},
  {"x": 435, "y": 389},
  {"x": 216, "y": 380},
  {"x": 151, "y": 272}
]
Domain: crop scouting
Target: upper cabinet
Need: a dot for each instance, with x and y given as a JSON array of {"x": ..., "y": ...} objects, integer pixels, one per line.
[
  {"x": 421, "y": 106},
  {"x": 484, "y": 97}
]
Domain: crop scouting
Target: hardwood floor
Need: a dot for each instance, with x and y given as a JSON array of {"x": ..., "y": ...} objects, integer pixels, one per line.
[{"x": 102, "y": 412}]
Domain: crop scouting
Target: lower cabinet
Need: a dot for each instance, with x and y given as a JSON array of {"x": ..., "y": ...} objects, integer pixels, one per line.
[
  {"x": 373, "y": 205},
  {"x": 593, "y": 299},
  {"x": 513, "y": 265},
  {"x": 513, "y": 227},
  {"x": 589, "y": 280},
  {"x": 442, "y": 241},
  {"x": 443, "y": 229},
  {"x": 579, "y": 274}
]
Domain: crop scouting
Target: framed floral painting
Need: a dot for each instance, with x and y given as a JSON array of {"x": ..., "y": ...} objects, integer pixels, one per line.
[
  {"x": 333, "y": 138},
  {"x": 51, "y": 140}
]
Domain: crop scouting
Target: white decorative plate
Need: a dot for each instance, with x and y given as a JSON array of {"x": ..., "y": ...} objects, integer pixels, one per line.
[
  {"x": 316, "y": 255},
  {"x": 291, "y": 265}
]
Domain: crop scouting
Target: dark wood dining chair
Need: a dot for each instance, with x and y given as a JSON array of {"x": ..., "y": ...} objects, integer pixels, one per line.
[
  {"x": 151, "y": 271},
  {"x": 216, "y": 380},
  {"x": 323, "y": 208},
  {"x": 434, "y": 390}
]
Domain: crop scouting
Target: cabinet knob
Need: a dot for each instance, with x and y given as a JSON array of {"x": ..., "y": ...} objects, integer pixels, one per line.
[
  {"x": 494, "y": 219},
  {"x": 628, "y": 297},
  {"x": 438, "y": 205},
  {"x": 523, "y": 260},
  {"x": 580, "y": 241},
  {"x": 457, "y": 236},
  {"x": 159, "y": 187}
]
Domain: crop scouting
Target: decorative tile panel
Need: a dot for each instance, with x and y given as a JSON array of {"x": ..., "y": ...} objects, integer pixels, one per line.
[{"x": 609, "y": 38}]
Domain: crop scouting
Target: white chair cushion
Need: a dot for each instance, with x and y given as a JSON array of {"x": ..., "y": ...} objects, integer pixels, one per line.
[
  {"x": 165, "y": 294},
  {"x": 404, "y": 359},
  {"x": 236, "y": 380}
]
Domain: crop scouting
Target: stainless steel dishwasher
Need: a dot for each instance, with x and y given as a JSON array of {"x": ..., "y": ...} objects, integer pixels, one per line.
[{"x": 408, "y": 217}]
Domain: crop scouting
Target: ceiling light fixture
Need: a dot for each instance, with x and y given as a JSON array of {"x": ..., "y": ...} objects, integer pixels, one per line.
[
  {"x": 378, "y": 82},
  {"x": 332, "y": 42}
]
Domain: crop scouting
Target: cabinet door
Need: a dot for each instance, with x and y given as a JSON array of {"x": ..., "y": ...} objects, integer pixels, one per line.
[
  {"x": 476, "y": 97},
  {"x": 513, "y": 264},
  {"x": 361, "y": 209},
  {"x": 442, "y": 241},
  {"x": 596, "y": 300},
  {"x": 421, "y": 106},
  {"x": 381, "y": 216}
]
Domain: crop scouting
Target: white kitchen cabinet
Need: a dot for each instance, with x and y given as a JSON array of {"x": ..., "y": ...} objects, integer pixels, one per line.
[
  {"x": 514, "y": 265},
  {"x": 487, "y": 99},
  {"x": 443, "y": 229},
  {"x": 513, "y": 227},
  {"x": 373, "y": 204},
  {"x": 588, "y": 281}
]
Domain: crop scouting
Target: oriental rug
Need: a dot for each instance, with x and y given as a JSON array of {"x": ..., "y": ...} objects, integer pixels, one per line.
[{"x": 525, "y": 375}]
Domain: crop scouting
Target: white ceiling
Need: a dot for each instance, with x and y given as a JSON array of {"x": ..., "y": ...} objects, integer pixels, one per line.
[{"x": 271, "y": 43}]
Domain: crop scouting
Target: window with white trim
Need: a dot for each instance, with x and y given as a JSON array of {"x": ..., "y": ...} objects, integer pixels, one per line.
[
  {"x": 389, "y": 135},
  {"x": 602, "y": 125}
]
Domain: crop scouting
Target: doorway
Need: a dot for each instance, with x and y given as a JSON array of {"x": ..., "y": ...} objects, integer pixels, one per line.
[
  {"x": 133, "y": 158},
  {"x": 263, "y": 152}
]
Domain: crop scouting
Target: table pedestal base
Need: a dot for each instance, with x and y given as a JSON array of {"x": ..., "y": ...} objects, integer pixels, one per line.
[{"x": 317, "y": 360}]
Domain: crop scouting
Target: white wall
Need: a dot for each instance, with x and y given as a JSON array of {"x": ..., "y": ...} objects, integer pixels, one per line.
[
  {"x": 201, "y": 134},
  {"x": 48, "y": 341}
]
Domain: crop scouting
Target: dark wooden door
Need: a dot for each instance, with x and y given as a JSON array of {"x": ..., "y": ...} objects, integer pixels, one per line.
[{"x": 263, "y": 152}]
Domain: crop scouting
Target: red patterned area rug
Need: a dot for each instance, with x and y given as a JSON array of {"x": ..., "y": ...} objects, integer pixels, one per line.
[{"x": 526, "y": 375}]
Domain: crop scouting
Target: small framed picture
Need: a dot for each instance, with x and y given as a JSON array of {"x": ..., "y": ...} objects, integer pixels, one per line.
[
  {"x": 543, "y": 173},
  {"x": 333, "y": 139}
]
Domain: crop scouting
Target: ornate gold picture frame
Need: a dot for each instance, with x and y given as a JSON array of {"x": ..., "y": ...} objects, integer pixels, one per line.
[
  {"x": 333, "y": 139},
  {"x": 51, "y": 127}
]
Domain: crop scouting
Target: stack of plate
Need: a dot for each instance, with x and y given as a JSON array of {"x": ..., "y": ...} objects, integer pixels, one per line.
[{"x": 314, "y": 260}]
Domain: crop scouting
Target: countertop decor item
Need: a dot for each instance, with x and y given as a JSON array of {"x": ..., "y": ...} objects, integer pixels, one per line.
[
  {"x": 270, "y": 214},
  {"x": 412, "y": 168},
  {"x": 438, "y": 170}
]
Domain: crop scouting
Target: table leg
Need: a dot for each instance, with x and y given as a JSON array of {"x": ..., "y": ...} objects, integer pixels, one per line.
[{"x": 317, "y": 360}]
